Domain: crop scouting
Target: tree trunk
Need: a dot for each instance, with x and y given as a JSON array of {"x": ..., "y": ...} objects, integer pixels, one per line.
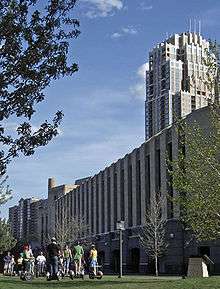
[{"x": 156, "y": 266}]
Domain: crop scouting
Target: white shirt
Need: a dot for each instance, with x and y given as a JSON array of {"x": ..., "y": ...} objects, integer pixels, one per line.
[{"x": 41, "y": 259}]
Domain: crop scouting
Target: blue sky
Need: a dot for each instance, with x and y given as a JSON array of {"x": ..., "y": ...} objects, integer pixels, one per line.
[{"x": 103, "y": 103}]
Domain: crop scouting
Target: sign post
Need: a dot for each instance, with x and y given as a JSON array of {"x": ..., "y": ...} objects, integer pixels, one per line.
[{"x": 120, "y": 226}]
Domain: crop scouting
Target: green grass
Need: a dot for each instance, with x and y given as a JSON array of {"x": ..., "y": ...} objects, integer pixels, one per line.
[{"x": 111, "y": 282}]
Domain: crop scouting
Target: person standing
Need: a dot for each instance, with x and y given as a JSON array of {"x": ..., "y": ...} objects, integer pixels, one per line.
[
  {"x": 93, "y": 259},
  {"x": 12, "y": 264},
  {"x": 28, "y": 259},
  {"x": 78, "y": 254},
  {"x": 41, "y": 262},
  {"x": 7, "y": 263},
  {"x": 67, "y": 256},
  {"x": 20, "y": 264},
  {"x": 53, "y": 251}
]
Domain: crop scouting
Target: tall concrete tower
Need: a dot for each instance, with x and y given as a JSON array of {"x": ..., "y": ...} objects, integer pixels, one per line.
[{"x": 175, "y": 82}]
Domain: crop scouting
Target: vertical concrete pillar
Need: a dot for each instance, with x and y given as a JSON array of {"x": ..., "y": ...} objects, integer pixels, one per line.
[
  {"x": 80, "y": 200},
  {"x": 77, "y": 202},
  {"x": 134, "y": 187},
  {"x": 176, "y": 209},
  {"x": 89, "y": 203},
  {"x": 100, "y": 204},
  {"x": 143, "y": 182},
  {"x": 105, "y": 199},
  {"x": 152, "y": 167},
  {"x": 126, "y": 189},
  {"x": 111, "y": 205},
  {"x": 163, "y": 169},
  {"x": 118, "y": 171},
  {"x": 94, "y": 203}
]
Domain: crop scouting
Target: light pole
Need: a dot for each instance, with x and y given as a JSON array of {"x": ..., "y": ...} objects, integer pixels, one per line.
[{"x": 120, "y": 226}]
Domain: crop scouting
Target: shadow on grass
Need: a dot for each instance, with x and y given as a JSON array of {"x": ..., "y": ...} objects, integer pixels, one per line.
[{"x": 80, "y": 283}]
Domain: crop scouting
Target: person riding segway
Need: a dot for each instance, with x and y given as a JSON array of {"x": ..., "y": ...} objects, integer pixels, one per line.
[
  {"x": 28, "y": 264},
  {"x": 41, "y": 264},
  {"x": 53, "y": 251},
  {"x": 94, "y": 272},
  {"x": 78, "y": 254}
]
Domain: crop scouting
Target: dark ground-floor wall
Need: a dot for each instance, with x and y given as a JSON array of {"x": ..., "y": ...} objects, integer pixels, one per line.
[{"x": 181, "y": 246}]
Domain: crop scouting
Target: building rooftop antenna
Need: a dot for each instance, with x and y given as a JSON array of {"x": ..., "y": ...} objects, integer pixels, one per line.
[
  {"x": 195, "y": 26},
  {"x": 200, "y": 24},
  {"x": 190, "y": 25}
]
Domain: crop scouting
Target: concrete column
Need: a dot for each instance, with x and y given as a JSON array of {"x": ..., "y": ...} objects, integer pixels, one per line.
[
  {"x": 80, "y": 200},
  {"x": 152, "y": 167},
  {"x": 100, "y": 205},
  {"x": 105, "y": 199},
  {"x": 94, "y": 204},
  {"x": 77, "y": 207},
  {"x": 118, "y": 171},
  {"x": 134, "y": 187},
  {"x": 176, "y": 209},
  {"x": 85, "y": 202},
  {"x": 73, "y": 200},
  {"x": 143, "y": 183},
  {"x": 111, "y": 205},
  {"x": 163, "y": 169},
  {"x": 89, "y": 200},
  {"x": 126, "y": 189}
]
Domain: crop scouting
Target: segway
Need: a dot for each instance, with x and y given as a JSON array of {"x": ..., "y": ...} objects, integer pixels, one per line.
[
  {"x": 40, "y": 269},
  {"x": 81, "y": 275},
  {"x": 98, "y": 275},
  {"x": 27, "y": 274},
  {"x": 57, "y": 277}
]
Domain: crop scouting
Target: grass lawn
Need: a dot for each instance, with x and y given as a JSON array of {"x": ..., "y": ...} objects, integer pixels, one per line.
[{"x": 112, "y": 282}]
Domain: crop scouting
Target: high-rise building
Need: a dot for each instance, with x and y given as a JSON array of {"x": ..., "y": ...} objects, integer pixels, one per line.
[
  {"x": 23, "y": 218},
  {"x": 176, "y": 80}
]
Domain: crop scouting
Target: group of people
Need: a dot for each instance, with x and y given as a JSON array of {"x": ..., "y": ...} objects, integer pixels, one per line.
[
  {"x": 25, "y": 262},
  {"x": 9, "y": 264},
  {"x": 68, "y": 257},
  {"x": 54, "y": 258}
]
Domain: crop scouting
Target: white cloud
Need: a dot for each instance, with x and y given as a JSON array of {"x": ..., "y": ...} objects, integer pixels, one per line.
[
  {"x": 116, "y": 35},
  {"x": 129, "y": 30},
  {"x": 102, "y": 8},
  {"x": 145, "y": 6},
  {"x": 138, "y": 89}
]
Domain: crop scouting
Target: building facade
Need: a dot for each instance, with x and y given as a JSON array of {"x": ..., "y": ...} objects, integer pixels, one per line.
[
  {"x": 176, "y": 83},
  {"x": 24, "y": 218},
  {"x": 123, "y": 191}
]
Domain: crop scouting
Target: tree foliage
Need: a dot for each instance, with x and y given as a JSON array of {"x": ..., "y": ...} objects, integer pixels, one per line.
[
  {"x": 34, "y": 49},
  {"x": 196, "y": 172},
  {"x": 68, "y": 230},
  {"x": 7, "y": 241},
  {"x": 153, "y": 237}
]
